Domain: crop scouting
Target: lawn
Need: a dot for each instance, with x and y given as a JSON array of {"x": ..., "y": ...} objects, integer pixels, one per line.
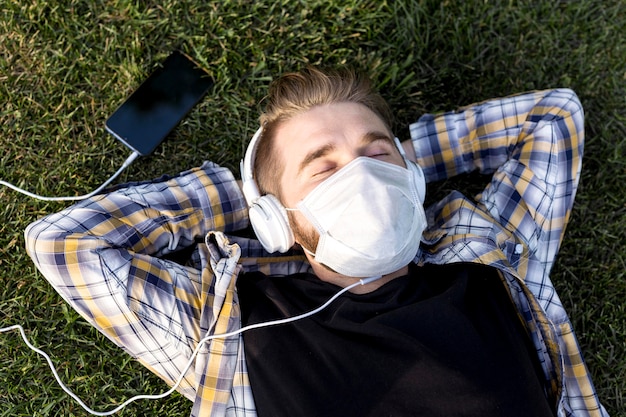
[{"x": 66, "y": 65}]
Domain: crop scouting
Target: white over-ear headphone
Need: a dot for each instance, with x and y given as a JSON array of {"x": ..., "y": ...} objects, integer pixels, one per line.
[{"x": 267, "y": 215}]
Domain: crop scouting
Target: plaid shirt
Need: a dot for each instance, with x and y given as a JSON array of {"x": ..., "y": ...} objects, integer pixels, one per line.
[{"x": 114, "y": 257}]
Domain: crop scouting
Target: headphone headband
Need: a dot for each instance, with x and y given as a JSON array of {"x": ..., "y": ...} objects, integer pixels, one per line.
[
  {"x": 246, "y": 166},
  {"x": 267, "y": 215}
]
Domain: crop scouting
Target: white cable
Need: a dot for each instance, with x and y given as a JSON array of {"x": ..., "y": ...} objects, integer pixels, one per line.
[
  {"x": 363, "y": 281},
  {"x": 126, "y": 163}
]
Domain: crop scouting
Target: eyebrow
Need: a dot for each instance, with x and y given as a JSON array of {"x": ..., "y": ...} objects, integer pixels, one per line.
[{"x": 366, "y": 139}]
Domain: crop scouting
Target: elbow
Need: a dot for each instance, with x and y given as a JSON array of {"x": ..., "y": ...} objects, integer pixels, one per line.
[
  {"x": 42, "y": 240},
  {"x": 571, "y": 107},
  {"x": 36, "y": 246},
  {"x": 31, "y": 238},
  {"x": 567, "y": 115}
]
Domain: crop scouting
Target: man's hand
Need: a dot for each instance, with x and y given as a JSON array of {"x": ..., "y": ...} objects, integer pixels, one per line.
[{"x": 409, "y": 150}]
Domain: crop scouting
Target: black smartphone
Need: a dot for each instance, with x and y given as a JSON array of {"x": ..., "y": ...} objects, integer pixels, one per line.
[{"x": 152, "y": 111}]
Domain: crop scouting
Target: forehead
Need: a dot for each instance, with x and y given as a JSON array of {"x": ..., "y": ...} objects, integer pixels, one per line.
[{"x": 330, "y": 123}]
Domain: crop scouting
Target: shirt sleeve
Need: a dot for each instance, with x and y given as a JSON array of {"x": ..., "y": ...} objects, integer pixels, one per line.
[
  {"x": 533, "y": 145},
  {"x": 105, "y": 257}
]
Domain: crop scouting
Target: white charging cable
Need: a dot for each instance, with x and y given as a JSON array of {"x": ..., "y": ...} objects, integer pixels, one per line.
[
  {"x": 362, "y": 281},
  {"x": 126, "y": 163}
]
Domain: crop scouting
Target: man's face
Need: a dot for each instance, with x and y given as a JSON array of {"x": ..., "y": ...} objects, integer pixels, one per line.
[{"x": 319, "y": 142}]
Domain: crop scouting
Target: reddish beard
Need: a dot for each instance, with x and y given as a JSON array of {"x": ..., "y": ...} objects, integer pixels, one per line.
[{"x": 305, "y": 236}]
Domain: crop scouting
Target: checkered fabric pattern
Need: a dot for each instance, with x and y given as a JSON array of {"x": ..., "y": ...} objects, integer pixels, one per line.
[{"x": 116, "y": 258}]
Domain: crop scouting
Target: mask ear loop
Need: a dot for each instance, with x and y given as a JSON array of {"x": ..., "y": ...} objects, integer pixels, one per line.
[{"x": 399, "y": 146}]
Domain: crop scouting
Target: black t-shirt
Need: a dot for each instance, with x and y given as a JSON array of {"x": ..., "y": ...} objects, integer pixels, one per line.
[{"x": 441, "y": 341}]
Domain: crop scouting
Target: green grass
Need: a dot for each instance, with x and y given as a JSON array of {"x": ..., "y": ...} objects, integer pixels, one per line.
[{"x": 66, "y": 65}]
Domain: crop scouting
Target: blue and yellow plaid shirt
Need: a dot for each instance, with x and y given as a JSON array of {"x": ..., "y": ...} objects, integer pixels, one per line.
[{"x": 112, "y": 256}]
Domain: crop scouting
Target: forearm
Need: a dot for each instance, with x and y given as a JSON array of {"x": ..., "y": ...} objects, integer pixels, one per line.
[
  {"x": 102, "y": 254},
  {"x": 486, "y": 135},
  {"x": 151, "y": 217}
]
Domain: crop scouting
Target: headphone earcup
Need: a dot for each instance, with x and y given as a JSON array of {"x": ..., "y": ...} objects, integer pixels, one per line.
[{"x": 271, "y": 225}]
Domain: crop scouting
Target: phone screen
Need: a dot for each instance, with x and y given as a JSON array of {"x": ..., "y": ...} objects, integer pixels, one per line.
[{"x": 144, "y": 120}]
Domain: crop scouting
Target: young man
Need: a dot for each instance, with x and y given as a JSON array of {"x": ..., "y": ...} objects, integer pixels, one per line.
[{"x": 457, "y": 315}]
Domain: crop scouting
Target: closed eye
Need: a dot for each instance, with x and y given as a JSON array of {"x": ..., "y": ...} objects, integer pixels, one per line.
[
  {"x": 323, "y": 170},
  {"x": 380, "y": 148},
  {"x": 379, "y": 154}
]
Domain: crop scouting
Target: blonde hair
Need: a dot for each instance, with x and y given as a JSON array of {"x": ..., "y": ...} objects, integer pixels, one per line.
[{"x": 295, "y": 93}]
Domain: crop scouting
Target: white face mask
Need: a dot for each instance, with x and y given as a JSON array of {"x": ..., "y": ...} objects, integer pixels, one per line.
[{"x": 369, "y": 216}]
